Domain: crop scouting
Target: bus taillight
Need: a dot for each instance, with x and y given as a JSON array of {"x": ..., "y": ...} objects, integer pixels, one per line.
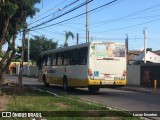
[
  {"x": 90, "y": 72},
  {"x": 124, "y": 73}
]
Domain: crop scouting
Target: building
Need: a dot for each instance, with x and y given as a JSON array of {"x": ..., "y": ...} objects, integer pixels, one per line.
[
  {"x": 133, "y": 53},
  {"x": 150, "y": 57}
]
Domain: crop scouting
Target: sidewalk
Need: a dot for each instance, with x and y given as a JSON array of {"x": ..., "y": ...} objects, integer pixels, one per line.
[{"x": 140, "y": 89}]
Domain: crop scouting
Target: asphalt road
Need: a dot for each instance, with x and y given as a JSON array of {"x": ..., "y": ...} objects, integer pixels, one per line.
[{"x": 123, "y": 100}]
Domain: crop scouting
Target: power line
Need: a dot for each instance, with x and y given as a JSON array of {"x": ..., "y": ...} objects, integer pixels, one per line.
[
  {"x": 131, "y": 26},
  {"x": 54, "y": 32},
  {"x": 56, "y": 11},
  {"x": 100, "y": 23},
  {"x": 135, "y": 13},
  {"x": 81, "y": 29},
  {"x": 134, "y": 18},
  {"x": 69, "y": 11},
  {"x": 75, "y": 16},
  {"x": 43, "y": 6},
  {"x": 48, "y": 3},
  {"x": 125, "y": 17},
  {"x": 151, "y": 17},
  {"x": 60, "y": 3}
]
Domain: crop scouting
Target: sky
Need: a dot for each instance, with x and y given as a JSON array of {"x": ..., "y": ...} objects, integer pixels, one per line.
[{"x": 109, "y": 23}]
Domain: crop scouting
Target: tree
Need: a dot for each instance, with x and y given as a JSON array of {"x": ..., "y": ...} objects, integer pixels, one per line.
[
  {"x": 67, "y": 35},
  {"x": 17, "y": 57},
  {"x": 39, "y": 44},
  {"x": 13, "y": 18},
  {"x": 149, "y": 49}
]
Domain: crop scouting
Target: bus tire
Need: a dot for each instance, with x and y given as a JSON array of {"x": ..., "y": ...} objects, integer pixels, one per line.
[
  {"x": 44, "y": 80},
  {"x": 65, "y": 83},
  {"x": 93, "y": 89}
]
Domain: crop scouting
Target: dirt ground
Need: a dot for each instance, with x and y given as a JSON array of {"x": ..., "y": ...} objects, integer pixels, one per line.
[{"x": 3, "y": 102}]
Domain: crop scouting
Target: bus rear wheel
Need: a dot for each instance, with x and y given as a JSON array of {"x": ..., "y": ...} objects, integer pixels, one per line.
[
  {"x": 44, "y": 80},
  {"x": 93, "y": 89}
]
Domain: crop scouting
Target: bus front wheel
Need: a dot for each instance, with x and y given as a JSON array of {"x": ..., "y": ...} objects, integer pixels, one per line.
[
  {"x": 93, "y": 89},
  {"x": 65, "y": 83}
]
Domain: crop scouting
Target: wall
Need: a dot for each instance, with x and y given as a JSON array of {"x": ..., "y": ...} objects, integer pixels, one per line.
[
  {"x": 143, "y": 74},
  {"x": 32, "y": 71},
  {"x": 133, "y": 75}
]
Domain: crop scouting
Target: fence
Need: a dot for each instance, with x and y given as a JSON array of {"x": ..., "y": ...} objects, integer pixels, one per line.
[{"x": 149, "y": 73}]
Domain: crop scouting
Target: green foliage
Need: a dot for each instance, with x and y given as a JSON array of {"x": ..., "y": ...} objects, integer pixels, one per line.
[
  {"x": 17, "y": 11},
  {"x": 13, "y": 15},
  {"x": 34, "y": 100},
  {"x": 39, "y": 44},
  {"x": 149, "y": 49},
  {"x": 2, "y": 55},
  {"x": 9, "y": 9},
  {"x": 18, "y": 54},
  {"x": 67, "y": 35}
]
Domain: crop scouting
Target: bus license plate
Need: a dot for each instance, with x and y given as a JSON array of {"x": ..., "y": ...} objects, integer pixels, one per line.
[{"x": 107, "y": 82}]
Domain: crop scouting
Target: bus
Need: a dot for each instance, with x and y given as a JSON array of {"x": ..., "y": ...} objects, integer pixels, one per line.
[{"x": 93, "y": 65}]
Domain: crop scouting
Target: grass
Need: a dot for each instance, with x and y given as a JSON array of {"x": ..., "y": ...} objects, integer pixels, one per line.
[{"x": 63, "y": 107}]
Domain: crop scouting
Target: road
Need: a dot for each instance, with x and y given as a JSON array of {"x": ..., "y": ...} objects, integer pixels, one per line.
[{"x": 123, "y": 100}]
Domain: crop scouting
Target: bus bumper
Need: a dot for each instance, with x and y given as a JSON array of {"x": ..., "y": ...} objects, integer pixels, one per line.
[{"x": 106, "y": 83}]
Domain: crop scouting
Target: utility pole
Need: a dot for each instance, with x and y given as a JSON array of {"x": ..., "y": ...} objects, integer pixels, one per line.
[
  {"x": 28, "y": 53},
  {"x": 145, "y": 39},
  {"x": 88, "y": 36},
  {"x": 87, "y": 29},
  {"x": 77, "y": 38},
  {"x": 126, "y": 45},
  {"x": 28, "y": 46}
]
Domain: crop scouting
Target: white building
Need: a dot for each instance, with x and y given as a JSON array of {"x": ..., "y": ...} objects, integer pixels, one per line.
[{"x": 150, "y": 57}]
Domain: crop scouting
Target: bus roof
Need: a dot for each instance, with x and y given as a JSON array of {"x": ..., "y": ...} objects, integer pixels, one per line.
[{"x": 74, "y": 46}]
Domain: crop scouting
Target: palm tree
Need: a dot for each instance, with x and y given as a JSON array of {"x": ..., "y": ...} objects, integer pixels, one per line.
[{"x": 67, "y": 35}]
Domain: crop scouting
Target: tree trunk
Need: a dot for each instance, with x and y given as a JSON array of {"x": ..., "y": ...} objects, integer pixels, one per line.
[
  {"x": 20, "y": 75},
  {"x": 2, "y": 64},
  {"x": 12, "y": 51},
  {"x": 6, "y": 61},
  {"x": 1, "y": 76},
  {"x": 3, "y": 32}
]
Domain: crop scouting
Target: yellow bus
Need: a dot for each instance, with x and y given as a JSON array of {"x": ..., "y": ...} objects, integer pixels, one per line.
[{"x": 94, "y": 65}]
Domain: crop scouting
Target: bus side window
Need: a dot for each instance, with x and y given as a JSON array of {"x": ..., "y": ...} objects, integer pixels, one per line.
[
  {"x": 49, "y": 60},
  {"x": 74, "y": 57},
  {"x": 53, "y": 59},
  {"x": 40, "y": 63},
  {"x": 82, "y": 56},
  {"x": 59, "y": 58},
  {"x": 45, "y": 60},
  {"x": 66, "y": 57}
]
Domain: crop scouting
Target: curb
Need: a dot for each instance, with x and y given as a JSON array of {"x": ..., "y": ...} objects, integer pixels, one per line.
[{"x": 141, "y": 90}]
